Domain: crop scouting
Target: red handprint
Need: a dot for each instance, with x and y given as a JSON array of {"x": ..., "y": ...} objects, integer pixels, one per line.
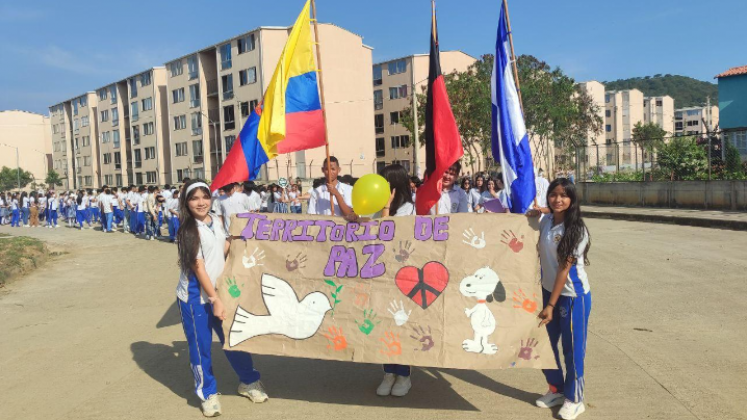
[
  {"x": 337, "y": 339},
  {"x": 510, "y": 239}
]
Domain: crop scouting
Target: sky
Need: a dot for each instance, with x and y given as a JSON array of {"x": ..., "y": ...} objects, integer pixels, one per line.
[{"x": 52, "y": 51}]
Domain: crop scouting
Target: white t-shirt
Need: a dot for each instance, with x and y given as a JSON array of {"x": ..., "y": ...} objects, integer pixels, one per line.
[
  {"x": 453, "y": 201},
  {"x": 212, "y": 243},
  {"x": 542, "y": 185},
  {"x": 43, "y": 201},
  {"x": 255, "y": 201},
  {"x": 263, "y": 199},
  {"x": 25, "y": 202},
  {"x": 319, "y": 200},
  {"x": 106, "y": 203},
  {"x": 172, "y": 204},
  {"x": 115, "y": 200},
  {"x": 136, "y": 200},
  {"x": 166, "y": 194},
  {"x": 14, "y": 204},
  {"x": 228, "y": 206},
  {"x": 474, "y": 199},
  {"x": 577, "y": 282},
  {"x": 53, "y": 203}
]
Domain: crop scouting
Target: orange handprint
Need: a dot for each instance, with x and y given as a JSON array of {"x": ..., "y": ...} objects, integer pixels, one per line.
[
  {"x": 510, "y": 239},
  {"x": 337, "y": 339},
  {"x": 361, "y": 294},
  {"x": 524, "y": 302},
  {"x": 393, "y": 345}
]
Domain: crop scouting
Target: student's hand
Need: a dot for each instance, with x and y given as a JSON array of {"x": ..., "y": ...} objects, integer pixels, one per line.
[
  {"x": 332, "y": 190},
  {"x": 545, "y": 315},
  {"x": 352, "y": 217},
  {"x": 533, "y": 213},
  {"x": 218, "y": 310}
]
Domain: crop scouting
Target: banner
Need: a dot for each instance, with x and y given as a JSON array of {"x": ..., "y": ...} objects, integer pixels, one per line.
[{"x": 452, "y": 291}]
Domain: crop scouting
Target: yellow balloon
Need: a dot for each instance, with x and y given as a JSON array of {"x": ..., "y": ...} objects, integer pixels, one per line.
[{"x": 370, "y": 194}]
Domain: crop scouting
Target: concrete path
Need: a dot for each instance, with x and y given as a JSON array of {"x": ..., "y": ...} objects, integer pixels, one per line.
[
  {"x": 689, "y": 217},
  {"x": 96, "y": 335}
]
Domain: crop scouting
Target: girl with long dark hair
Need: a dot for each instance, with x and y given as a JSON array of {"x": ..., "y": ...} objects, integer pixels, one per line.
[
  {"x": 15, "y": 211},
  {"x": 564, "y": 246},
  {"x": 81, "y": 208},
  {"x": 202, "y": 247},
  {"x": 25, "y": 208}
]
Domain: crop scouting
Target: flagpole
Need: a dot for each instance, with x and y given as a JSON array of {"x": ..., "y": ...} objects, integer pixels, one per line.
[
  {"x": 513, "y": 55},
  {"x": 321, "y": 94}
]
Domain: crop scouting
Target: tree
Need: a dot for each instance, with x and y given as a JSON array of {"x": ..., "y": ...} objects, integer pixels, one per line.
[
  {"x": 733, "y": 160},
  {"x": 683, "y": 158},
  {"x": 9, "y": 178},
  {"x": 53, "y": 179},
  {"x": 648, "y": 136}
]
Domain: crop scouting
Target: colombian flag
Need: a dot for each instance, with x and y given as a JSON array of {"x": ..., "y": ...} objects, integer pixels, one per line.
[{"x": 290, "y": 117}]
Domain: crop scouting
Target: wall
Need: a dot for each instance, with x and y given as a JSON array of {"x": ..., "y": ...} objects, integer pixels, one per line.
[
  {"x": 721, "y": 195},
  {"x": 732, "y": 97},
  {"x": 32, "y": 134}
]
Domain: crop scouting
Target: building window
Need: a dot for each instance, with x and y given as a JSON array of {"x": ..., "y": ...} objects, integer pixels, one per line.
[
  {"x": 739, "y": 140},
  {"x": 377, "y": 77},
  {"x": 134, "y": 113},
  {"x": 380, "y": 147},
  {"x": 135, "y": 135},
  {"x": 84, "y": 121},
  {"x": 176, "y": 68},
  {"x": 248, "y": 76},
  {"x": 118, "y": 178},
  {"x": 192, "y": 67},
  {"x": 379, "y": 123},
  {"x": 147, "y": 104},
  {"x": 227, "y": 81},
  {"x": 181, "y": 149},
  {"x": 246, "y": 43},
  {"x": 86, "y": 141},
  {"x": 179, "y": 175},
  {"x": 105, "y": 115},
  {"x": 228, "y": 118},
  {"x": 378, "y": 99},
  {"x": 86, "y": 161},
  {"x": 194, "y": 95},
  {"x": 89, "y": 181},
  {"x": 608, "y": 113},
  {"x": 398, "y": 92},
  {"x": 138, "y": 159},
  {"x": 196, "y": 123},
  {"x": 197, "y": 151},
  {"x": 244, "y": 109},
  {"x": 229, "y": 142},
  {"x": 180, "y": 122},
  {"x": 102, "y": 94},
  {"x": 105, "y": 137},
  {"x": 225, "y": 56},
  {"x": 150, "y": 177},
  {"x": 145, "y": 79},
  {"x": 253, "y": 104},
  {"x": 83, "y": 101},
  {"x": 148, "y": 129},
  {"x": 150, "y": 153},
  {"x": 117, "y": 160},
  {"x": 115, "y": 117},
  {"x": 678, "y": 125},
  {"x": 177, "y": 95},
  {"x": 397, "y": 67},
  {"x": 113, "y": 94},
  {"x": 659, "y": 103},
  {"x": 107, "y": 159},
  {"x": 607, "y": 98},
  {"x": 139, "y": 178},
  {"x": 608, "y": 128},
  {"x": 133, "y": 88},
  {"x": 394, "y": 117},
  {"x": 400, "y": 142}
]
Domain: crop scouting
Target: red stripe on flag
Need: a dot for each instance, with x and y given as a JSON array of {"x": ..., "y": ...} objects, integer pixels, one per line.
[
  {"x": 234, "y": 169},
  {"x": 303, "y": 130}
]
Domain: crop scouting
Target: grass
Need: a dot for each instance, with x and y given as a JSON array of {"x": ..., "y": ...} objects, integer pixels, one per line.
[{"x": 19, "y": 255}]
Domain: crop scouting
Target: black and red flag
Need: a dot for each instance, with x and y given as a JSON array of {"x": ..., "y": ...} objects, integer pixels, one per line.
[{"x": 443, "y": 145}]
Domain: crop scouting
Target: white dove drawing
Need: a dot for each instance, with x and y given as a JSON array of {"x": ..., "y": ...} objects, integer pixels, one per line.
[{"x": 288, "y": 316}]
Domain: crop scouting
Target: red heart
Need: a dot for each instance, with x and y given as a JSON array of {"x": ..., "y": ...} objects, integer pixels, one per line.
[{"x": 424, "y": 285}]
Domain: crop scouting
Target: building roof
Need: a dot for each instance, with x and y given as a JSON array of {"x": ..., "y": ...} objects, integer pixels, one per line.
[
  {"x": 734, "y": 71},
  {"x": 423, "y": 55}
]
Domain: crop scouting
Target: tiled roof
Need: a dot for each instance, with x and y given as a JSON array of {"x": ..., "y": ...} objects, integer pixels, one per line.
[{"x": 734, "y": 71}]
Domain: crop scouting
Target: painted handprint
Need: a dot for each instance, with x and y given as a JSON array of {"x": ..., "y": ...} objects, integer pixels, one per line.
[
  {"x": 334, "y": 294},
  {"x": 337, "y": 338},
  {"x": 361, "y": 291},
  {"x": 393, "y": 345},
  {"x": 404, "y": 252},
  {"x": 510, "y": 239},
  {"x": 398, "y": 312},
  {"x": 298, "y": 262},
  {"x": 527, "y": 348},
  {"x": 471, "y": 239},
  {"x": 524, "y": 302},
  {"x": 254, "y": 259},
  {"x": 369, "y": 322},
  {"x": 425, "y": 339},
  {"x": 233, "y": 289}
]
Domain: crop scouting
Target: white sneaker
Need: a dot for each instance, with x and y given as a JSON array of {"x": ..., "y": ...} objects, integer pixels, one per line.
[
  {"x": 254, "y": 391},
  {"x": 401, "y": 386},
  {"x": 550, "y": 400},
  {"x": 211, "y": 406},
  {"x": 386, "y": 385},
  {"x": 570, "y": 410}
]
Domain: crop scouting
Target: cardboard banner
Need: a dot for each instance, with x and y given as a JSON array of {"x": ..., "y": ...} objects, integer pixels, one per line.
[{"x": 452, "y": 291}]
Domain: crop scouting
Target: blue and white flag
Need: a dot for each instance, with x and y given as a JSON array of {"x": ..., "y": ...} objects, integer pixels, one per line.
[{"x": 510, "y": 140}]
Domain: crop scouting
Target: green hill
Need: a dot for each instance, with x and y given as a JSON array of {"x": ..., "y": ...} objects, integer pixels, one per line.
[{"x": 686, "y": 91}]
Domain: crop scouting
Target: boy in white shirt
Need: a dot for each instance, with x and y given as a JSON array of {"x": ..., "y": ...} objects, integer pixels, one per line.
[
  {"x": 453, "y": 198},
  {"x": 319, "y": 202}
]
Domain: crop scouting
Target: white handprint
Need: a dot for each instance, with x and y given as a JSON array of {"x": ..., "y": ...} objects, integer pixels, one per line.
[
  {"x": 398, "y": 312},
  {"x": 254, "y": 259},
  {"x": 474, "y": 240}
]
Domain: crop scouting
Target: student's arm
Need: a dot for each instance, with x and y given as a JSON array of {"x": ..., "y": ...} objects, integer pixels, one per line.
[
  {"x": 560, "y": 280},
  {"x": 387, "y": 210},
  {"x": 202, "y": 277},
  {"x": 344, "y": 207}
]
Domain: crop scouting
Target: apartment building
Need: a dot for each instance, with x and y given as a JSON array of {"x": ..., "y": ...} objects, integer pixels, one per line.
[
  {"x": 213, "y": 91},
  {"x": 622, "y": 111},
  {"x": 394, "y": 83},
  {"x": 695, "y": 120},
  {"x": 26, "y": 141},
  {"x": 660, "y": 111},
  {"x": 112, "y": 131},
  {"x": 147, "y": 145},
  {"x": 85, "y": 140}
]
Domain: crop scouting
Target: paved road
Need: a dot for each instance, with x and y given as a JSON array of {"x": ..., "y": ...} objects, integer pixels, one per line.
[{"x": 95, "y": 335}]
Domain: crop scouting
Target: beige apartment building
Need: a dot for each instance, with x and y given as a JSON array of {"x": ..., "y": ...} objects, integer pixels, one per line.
[
  {"x": 394, "y": 84},
  {"x": 85, "y": 141},
  {"x": 695, "y": 120},
  {"x": 112, "y": 131},
  {"x": 623, "y": 110},
  {"x": 60, "y": 116},
  {"x": 26, "y": 141},
  {"x": 660, "y": 111}
]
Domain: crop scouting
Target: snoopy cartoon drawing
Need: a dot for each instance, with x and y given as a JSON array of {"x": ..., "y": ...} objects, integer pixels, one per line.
[{"x": 486, "y": 287}]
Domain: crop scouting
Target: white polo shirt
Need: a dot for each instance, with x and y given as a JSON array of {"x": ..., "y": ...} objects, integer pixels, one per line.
[
  {"x": 577, "y": 282},
  {"x": 319, "y": 200},
  {"x": 453, "y": 201},
  {"x": 230, "y": 205},
  {"x": 212, "y": 243},
  {"x": 106, "y": 203}
]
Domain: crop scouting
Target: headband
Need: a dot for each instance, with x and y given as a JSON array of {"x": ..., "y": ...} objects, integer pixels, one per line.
[{"x": 197, "y": 185}]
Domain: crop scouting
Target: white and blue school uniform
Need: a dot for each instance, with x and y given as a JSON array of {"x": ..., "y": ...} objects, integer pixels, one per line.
[
  {"x": 52, "y": 206},
  {"x": 25, "y": 211},
  {"x": 172, "y": 204},
  {"x": 455, "y": 200},
  {"x": 81, "y": 210},
  {"x": 571, "y": 314},
  {"x": 15, "y": 220},
  {"x": 197, "y": 315}
]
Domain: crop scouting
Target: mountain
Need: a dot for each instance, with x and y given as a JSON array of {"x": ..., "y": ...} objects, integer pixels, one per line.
[{"x": 686, "y": 91}]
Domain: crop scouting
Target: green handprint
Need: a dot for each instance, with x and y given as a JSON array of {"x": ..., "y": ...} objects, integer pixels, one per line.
[
  {"x": 233, "y": 289},
  {"x": 369, "y": 322}
]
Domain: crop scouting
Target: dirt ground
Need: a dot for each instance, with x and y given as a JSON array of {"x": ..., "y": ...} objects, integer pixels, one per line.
[{"x": 95, "y": 334}]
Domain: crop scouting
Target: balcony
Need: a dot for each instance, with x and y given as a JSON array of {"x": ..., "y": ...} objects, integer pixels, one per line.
[
  {"x": 228, "y": 95},
  {"x": 138, "y": 163},
  {"x": 115, "y": 122},
  {"x": 212, "y": 87},
  {"x": 135, "y": 117},
  {"x": 194, "y": 103},
  {"x": 197, "y": 159}
]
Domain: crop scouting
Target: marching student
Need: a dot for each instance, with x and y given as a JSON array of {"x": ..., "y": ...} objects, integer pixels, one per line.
[
  {"x": 108, "y": 210},
  {"x": 202, "y": 247},
  {"x": 33, "y": 210},
  {"x": 564, "y": 246},
  {"x": 72, "y": 209},
  {"x": 140, "y": 198},
  {"x": 25, "y": 208},
  {"x": 116, "y": 216},
  {"x": 81, "y": 208},
  {"x": 53, "y": 205},
  {"x": 15, "y": 220},
  {"x": 42, "y": 205},
  {"x": 151, "y": 215},
  {"x": 331, "y": 188},
  {"x": 172, "y": 214}
]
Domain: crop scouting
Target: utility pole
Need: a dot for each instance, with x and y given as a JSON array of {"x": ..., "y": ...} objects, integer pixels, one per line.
[{"x": 416, "y": 130}]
